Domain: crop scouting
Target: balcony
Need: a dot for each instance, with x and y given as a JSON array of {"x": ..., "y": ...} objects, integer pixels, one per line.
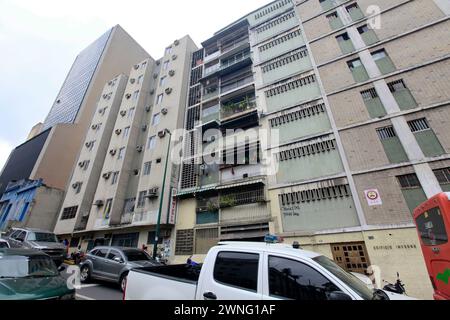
[
  {"x": 242, "y": 198},
  {"x": 211, "y": 113},
  {"x": 207, "y": 204},
  {"x": 145, "y": 218},
  {"x": 211, "y": 56},
  {"x": 210, "y": 70},
  {"x": 235, "y": 44},
  {"x": 82, "y": 224},
  {"x": 127, "y": 218},
  {"x": 232, "y": 109},
  {"x": 211, "y": 92},
  {"x": 101, "y": 223},
  {"x": 240, "y": 172},
  {"x": 235, "y": 60},
  {"x": 236, "y": 84}
]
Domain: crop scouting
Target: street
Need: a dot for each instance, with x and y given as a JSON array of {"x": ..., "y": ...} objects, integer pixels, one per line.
[{"x": 96, "y": 290}]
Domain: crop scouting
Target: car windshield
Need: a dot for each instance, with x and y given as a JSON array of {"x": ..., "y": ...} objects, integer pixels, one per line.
[
  {"x": 27, "y": 267},
  {"x": 350, "y": 280},
  {"x": 135, "y": 255},
  {"x": 42, "y": 237}
]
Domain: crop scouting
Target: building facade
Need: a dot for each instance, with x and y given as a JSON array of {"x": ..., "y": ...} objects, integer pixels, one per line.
[
  {"x": 358, "y": 102},
  {"x": 117, "y": 185}
]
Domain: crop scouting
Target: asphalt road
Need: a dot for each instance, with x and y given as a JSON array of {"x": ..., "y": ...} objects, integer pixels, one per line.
[{"x": 96, "y": 290}]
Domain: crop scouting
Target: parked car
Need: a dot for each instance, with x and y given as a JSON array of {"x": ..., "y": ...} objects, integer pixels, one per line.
[
  {"x": 113, "y": 264},
  {"x": 44, "y": 241},
  {"x": 252, "y": 271},
  {"x": 31, "y": 275},
  {"x": 4, "y": 244}
]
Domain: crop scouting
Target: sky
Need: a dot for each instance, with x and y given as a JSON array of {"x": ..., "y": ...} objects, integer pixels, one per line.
[{"x": 39, "y": 40}]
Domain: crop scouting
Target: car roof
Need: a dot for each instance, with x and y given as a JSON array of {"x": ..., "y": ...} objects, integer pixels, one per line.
[
  {"x": 116, "y": 247},
  {"x": 269, "y": 247},
  {"x": 32, "y": 230},
  {"x": 21, "y": 252}
]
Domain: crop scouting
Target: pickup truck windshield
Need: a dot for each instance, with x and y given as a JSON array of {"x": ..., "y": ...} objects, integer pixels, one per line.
[
  {"x": 27, "y": 267},
  {"x": 353, "y": 282},
  {"x": 42, "y": 237}
]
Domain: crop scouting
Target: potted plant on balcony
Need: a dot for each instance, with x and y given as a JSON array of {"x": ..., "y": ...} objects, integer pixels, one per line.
[{"x": 227, "y": 201}]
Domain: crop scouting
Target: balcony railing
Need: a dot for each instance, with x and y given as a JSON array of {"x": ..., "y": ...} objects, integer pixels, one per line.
[
  {"x": 211, "y": 69},
  {"x": 236, "y": 84},
  {"x": 127, "y": 218},
  {"x": 238, "y": 58},
  {"x": 148, "y": 217},
  {"x": 229, "y": 110},
  {"x": 242, "y": 198},
  {"x": 211, "y": 113},
  {"x": 228, "y": 47},
  {"x": 212, "y": 56},
  {"x": 82, "y": 225}
]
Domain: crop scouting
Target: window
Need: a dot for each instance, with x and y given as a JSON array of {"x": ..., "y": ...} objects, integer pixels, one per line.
[
  {"x": 166, "y": 65},
  {"x": 107, "y": 208},
  {"x": 139, "y": 79},
  {"x": 86, "y": 165},
  {"x": 408, "y": 181},
  {"x": 237, "y": 269},
  {"x": 432, "y": 228},
  {"x": 369, "y": 94},
  {"x": 156, "y": 118},
  {"x": 295, "y": 280},
  {"x": 396, "y": 86},
  {"x": 78, "y": 187},
  {"x": 131, "y": 113},
  {"x": 129, "y": 205},
  {"x": 69, "y": 213},
  {"x": 100, "y": 253},
  {"x": 162, "y": 81},
  {"x": 443, "y": 175},
  {"x": 184, "y": 242},
  {"x": 354, "y": 64},
  {"x": 126, "y": 132},
  {"x": 160, "y": 98},
  {"x": 151, "y": 142},
  {"x": 378, "y": 55},
  {"x": 343, "y": 37},
  {"x": 418, "y": 125},
  {"x": 135, "y": 95},
  {"x": 114, "y": 254},
  {"x": 169, "y": 50},
  {"x": 332, "y": 16},
  {"x": 147, "y": 168},
  {"x": 115, "y": 177},
  {"x": 386, "y": 133},
  {"x": 90, "y": 145},
  {"x": 141, "y": 199},
  {"x": 121, "y": 153}
]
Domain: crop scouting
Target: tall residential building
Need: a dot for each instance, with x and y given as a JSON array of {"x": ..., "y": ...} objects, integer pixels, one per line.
[
  {"x": 49, "y": 157},
  {"x": 117, "y": 184},
  {"x": 359, "y": 103}
]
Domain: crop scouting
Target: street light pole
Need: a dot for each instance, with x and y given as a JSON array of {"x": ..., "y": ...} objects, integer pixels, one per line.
[{"x": 155, "y": 245}]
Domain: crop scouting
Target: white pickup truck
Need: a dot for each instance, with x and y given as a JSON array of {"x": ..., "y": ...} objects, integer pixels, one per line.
[{"x": 252, "y": 271}]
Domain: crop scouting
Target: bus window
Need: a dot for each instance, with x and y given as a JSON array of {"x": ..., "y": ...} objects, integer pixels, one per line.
[{"x": 431, "y": 228}]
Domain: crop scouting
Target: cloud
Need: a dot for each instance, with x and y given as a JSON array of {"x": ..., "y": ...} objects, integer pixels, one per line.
[{"x": 5, "y": 150}]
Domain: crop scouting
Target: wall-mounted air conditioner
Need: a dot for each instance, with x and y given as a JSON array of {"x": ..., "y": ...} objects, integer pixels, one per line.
[
  {"x": 139, "y": 148},
  {"x": 168, "y": 90},
  {"x": 164, "y": 111},
  {"x": 112, "y": 152},
  {"x": 123, "y": 113},
  {"x": 118, "y": 131}
]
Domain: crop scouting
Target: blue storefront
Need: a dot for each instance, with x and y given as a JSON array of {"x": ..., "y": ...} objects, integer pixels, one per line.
[{"x": 16, "y": 201}]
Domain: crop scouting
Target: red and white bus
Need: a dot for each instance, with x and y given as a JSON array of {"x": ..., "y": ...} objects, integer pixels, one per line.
[{"x": 432, "y": 220}]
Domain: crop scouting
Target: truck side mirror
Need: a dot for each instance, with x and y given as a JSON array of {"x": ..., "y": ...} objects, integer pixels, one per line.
[{"x": 338, "y": 295}]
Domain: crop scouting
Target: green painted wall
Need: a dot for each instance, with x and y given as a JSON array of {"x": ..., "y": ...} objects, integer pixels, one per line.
[
  {"x": 429, "y": 143},
  {"x": 414, "y": 197},
  {"x": 268, "y": 33},
  {"x": 286, "y": 70},
  {"x": 319, "y": 215},
  {"x": 282, "y": 48},
  {"x": 292, "y": 97},
  {"x": 375, "y": 108},
  {"x": 385, "y": 65},
  {"x": 309, "y": 167},
  {"x": 394, "y": 150},
  {"x": 404, "y": 99},
  {"x": 369, "y": 37},
  {"x": 207, "y": 217},
  {"x": 303, "y": 127},
  {"x": 346, "y": 46},
  {"x": 360, "y": 74}
]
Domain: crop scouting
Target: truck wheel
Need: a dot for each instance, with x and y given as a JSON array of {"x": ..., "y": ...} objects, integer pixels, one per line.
[
  {"x": 123, "y": 281},
  {"x": 85, "y": 274}
]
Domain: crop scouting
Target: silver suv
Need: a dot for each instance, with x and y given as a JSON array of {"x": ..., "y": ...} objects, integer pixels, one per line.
[{"x": 44, "y": 241}]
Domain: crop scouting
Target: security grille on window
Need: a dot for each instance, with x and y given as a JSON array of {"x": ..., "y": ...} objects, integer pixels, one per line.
[
  {"x": 184, "y": 244},
  {"x": 418, "y": 125},
  {"x": 280, "y": 40},
  {"x": 291, "y": 85},
  {"x": 193, "y": 117},
  {"x": 369, "y": 94},
  {"x": 197, "y": 58},
  {"x": 284, "y": 60},
  {"x": 141, "y": 199},
  {"x": 442, "y": 175},
  {"x": 386, "y": 133},
  {"x": 196, "y": 75},
  {"x": 319, "y": 194},
  {"x": 302, "y": 151},
  {"x": 396, "y": 86},
  {"x": 195, "y": 94},
  {"x": 332, "y": 16},
  {"x": 304, "y": 112},
  {"x": 69, "y": 213},
  {"x": 205, "y": 239},
  {"x": 276, "y": 22},
  {"x": 147, "y": 168},
  {"x": 272, "y": 8},
  {"x": 408, "y": 181}
]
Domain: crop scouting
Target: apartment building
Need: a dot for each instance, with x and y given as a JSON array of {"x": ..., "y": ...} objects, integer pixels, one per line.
[
  {"x": 120, "y": 178},
  {"x": 357, "y": 95}
]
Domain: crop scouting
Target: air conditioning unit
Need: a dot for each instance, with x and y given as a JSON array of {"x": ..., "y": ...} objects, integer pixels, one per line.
[
  {"x": 136, "y": 172},
  {"x": 75, "y": 185},
  {"x": 152, "y": 193},
  {"x": 139, "y": 148},
  {"x": 88, "y": 144},
  {"x": 176, "y": 42},
  {"x": 162, "y": 134},
  {"x": 123, "y": 113},
  {"x": 169, "y": 90},
  {"x": 111, "y": 83},
  {"x": 136, "y": 66},
  {"x": 112, "y": 152},
  {"x": 118, "y": 131},
  {"x": 148, "y": 108},
  {"x": 155, "y": 75},
  {"x": 174, "y": 57},
  {"x": 94, "y": 127},
  {"x": 98, "y": 203},
  {"x": 106, "y": 175},
  {"x": 101, "y": 111},
  {"x": 158, "y": 62},
  {"x": 164, "y": 111},
  {"x": 152, "y": 92},
  {"x": 81, "y": 164},
  {"x": 128, "y": 96},
  {"x": 132, "y": 80},
  {"x": 144, "y": 127},
  {"x": 105, "y": 96},
  {"x": 171, "y": 73}
]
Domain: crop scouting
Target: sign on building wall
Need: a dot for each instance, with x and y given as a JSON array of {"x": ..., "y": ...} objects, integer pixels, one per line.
[
  {"x": 173, "y": 207},
  {"x": 373, "y": 197}
]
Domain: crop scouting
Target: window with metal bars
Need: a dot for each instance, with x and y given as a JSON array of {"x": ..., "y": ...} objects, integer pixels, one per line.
[
  {"x": 369, "y": 94},
  {"x": 197, "y": 58},
  {"x": 193, "y": 116},
  {"x": 184, "y": 244},
  {"x": 69, "y": 213},
  {"x": 386, "y": 133},
  {"x": 305, "y": 111},
  {"x": 442, "y": 175},
  {"x": 195, "y": 94},
  {"x": 270, "y": 9},
  {"x": 408, "y": 181},
  {"x": 280, "y": 40},
  {"x": 276, "y": 22},
  {"x": 196, "y": 75},
  {"x": 205, "y": 239},
  {"x": 396, "y": 86},
  {"x": 188, "y": 176},
  {"x": 291, "y": 85},
  {"x": 310, "y": 149},
  {"x": 284, "y": 60},
  {"x": 418, "y": 125},
  {"x": 318, "y": 194}
]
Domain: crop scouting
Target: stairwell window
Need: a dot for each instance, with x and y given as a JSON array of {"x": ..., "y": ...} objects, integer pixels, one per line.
[
  {"x": 156, "y": 119},
  {"x": 141, "y": 199},
  {"x": 115, "y": 177},
  {"x": 121, "y": 153},
  {"x": 126, "y": 132},
  {"x": 135, "y": 95},
  {"x": 131, "y": 113},
  {"x": 151, "y": 143},
  {"x": 162, "y": 81},
  {"x": 159, "y": 99},
  {"x": 147, "y": 168}
]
